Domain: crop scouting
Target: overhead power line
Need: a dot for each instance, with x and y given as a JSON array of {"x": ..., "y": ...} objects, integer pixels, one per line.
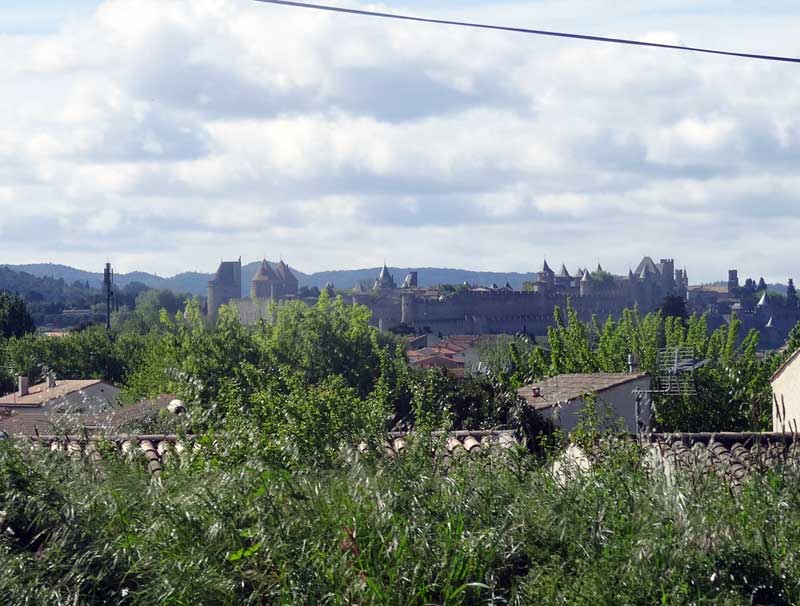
[{"x": 536, "y": 32}]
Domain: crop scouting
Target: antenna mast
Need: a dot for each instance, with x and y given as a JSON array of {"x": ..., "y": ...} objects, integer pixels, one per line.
[{"x": 108, "y": 279}]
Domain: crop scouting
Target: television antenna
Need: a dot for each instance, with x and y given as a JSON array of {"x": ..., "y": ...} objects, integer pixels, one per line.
[
  {"x": 674, "y": 376},
  {"x": 675, "y": 368}
]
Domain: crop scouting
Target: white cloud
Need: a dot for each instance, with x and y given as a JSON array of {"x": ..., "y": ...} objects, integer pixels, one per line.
[{"x": 167, "y": 134}]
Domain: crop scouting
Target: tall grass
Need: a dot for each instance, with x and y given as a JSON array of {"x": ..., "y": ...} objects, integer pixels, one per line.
[{"x": 417, "y": 529}]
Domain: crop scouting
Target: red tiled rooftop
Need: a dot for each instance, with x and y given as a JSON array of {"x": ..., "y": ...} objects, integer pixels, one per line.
[
  {"x": 40, "y": 393},
  {"x": 566, "y": 387}
]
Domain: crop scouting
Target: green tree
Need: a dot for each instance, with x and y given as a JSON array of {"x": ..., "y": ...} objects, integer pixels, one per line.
[
  {"x": 15, "y": 321},
  {"x": 791, "y": 294},
  {"x": 674, "y": 306}
]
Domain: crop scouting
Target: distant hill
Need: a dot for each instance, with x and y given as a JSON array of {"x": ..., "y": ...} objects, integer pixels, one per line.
[
  {"x": 53, "y": 301},
  {"x": 778, "y": 288},
  {"x": 428, "y": 276},
  {"x": 195, "y": 282}
]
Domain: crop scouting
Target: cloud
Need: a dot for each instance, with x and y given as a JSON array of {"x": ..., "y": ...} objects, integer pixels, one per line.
[{"x": 167, "y": 134}]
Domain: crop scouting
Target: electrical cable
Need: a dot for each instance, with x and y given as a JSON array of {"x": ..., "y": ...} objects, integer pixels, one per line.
[{"x": 521, "y": 30}]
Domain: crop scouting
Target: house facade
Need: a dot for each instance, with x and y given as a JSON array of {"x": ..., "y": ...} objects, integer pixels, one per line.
[
  {"x": 563, "y": 399},
  {"x": 786, "y": 389}
]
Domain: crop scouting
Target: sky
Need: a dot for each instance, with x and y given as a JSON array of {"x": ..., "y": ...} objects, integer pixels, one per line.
[{"x": 165, "y": 135}]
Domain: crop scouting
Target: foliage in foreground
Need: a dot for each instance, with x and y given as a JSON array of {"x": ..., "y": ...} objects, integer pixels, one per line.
[{"x": 371, "y": 530}]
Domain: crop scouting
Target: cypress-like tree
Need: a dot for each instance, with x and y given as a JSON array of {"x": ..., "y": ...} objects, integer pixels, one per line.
[
  {"x": 791, "y": 294},
  {"x": 15, "y": 321}
]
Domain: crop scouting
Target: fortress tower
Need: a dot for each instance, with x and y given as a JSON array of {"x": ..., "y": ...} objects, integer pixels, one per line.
[
  {"x": 384, "y": 280},
  {"x": 547, "y": 279},
  {"x": 733, "y": 279},
  {"x": 225, "y": 286},
  {"x": 586, "y": 284},
  {"x": 276, "y": 284},
  {"x": 264, "y": 283},
  {"x": 667, "y": 268}
]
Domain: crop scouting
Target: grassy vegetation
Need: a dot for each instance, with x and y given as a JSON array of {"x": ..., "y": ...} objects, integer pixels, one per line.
[
  {"x": 276, "y": 506},
  {"x": 366, "y": 529}
]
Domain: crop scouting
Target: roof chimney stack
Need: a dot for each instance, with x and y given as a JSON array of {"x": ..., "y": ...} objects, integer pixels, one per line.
[{"x": 24, "y": 384}]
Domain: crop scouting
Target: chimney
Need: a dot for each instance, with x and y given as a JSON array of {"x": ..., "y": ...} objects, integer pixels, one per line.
[
  {"x": 24, "y": 383},
  {"x": 633, "y": 366},
  {"x": 51, "y": 380},
  {"x": 536, "y": 391}
]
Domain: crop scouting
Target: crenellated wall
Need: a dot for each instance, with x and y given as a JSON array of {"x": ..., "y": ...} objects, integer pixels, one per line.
[{"x": 498, "y": 311}]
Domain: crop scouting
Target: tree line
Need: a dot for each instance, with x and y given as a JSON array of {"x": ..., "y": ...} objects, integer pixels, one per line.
[{"x": 329, "y": 371}]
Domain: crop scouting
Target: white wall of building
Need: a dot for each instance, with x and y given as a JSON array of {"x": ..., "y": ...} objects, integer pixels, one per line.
[
  {"x": 91, "y": 400},
  {"x": 786, "y": 387},
  {"x": 613, "y": 404}
]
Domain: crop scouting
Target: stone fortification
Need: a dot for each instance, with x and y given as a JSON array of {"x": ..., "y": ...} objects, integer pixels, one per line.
[
  {"x": 225, "y": 286},
  {"x": 496, "y": 309},
  {"x": 478, "y": 310}
]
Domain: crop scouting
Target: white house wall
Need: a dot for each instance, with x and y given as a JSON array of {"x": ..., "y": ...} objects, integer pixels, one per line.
[
  {"x": 618, "y": 401},
  {"x": 91, "y": 400},
  {"x": 786, "y": 388}
]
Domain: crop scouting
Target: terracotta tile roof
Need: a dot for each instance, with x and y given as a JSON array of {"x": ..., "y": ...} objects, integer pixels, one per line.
[
  {"x": 417, "y": 342},
  {"x": 156, "y": 450},
  {"x": 463, "y": 341},
  {"x": 39, "y": 393},
  {"x": 458, "y": 442},
  {"x": 733, "y": 457},
  {"x": 435, "y": 350},
  {"x": 33, "y": 422},
  {"x": 563, "y": 388},
  {"x": 438, "y": 361}
]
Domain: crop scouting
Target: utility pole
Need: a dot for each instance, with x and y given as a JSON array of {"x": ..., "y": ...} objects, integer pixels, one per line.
[{"x": 108, "y": 279}]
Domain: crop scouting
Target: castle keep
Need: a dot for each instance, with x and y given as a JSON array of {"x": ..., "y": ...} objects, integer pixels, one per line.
[
  {"x": 268, "y": 284},
  {"x": 225, "y": 286}
]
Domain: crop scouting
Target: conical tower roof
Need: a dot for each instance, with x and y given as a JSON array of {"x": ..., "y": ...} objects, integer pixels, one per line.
[
  {"x": 769, "y": 323},
  {"x": 546, "y": 268},
  {"x": 563, "y": 273},
  {"x": 264, "y": 273},
  {"x": 586, "y": 277},
  {"x": 630, "y": 274},
  {"x": 763, "y": 300},
  {"x": 385, "y": 279},
  {"x": 599, "y": 267},
  {"x": 284, "y": 272}
]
